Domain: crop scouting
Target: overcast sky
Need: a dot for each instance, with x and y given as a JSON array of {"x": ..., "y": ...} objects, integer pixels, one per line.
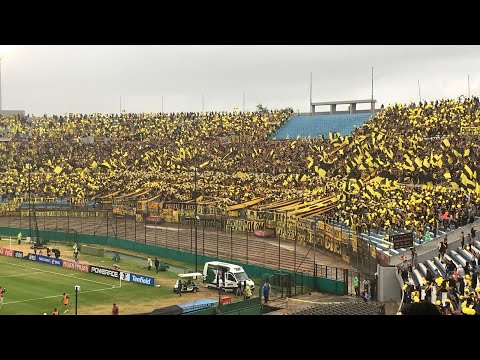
[{"x": 60, "y": 79}]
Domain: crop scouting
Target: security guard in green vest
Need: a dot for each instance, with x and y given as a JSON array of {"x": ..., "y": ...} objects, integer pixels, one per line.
[
  {"x": 19, "y": 237},
  {"x": 356, "y": 286}
]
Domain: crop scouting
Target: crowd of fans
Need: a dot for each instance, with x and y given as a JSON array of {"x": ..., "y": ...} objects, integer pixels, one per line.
[
  {"x": 409, "y": 167},
  {"x": 457, "y": 293}
]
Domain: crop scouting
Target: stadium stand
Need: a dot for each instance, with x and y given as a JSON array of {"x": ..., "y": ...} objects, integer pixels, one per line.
[
  {"x": 451, "y": 284},
  {"x": 318, "y": 125}
]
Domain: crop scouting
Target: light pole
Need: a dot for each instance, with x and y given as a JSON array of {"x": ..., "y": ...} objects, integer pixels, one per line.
[
  {"x": 195, "y": 216},
  {"x": 29, "y": 199},
  {"x": 77, "y": 289}
]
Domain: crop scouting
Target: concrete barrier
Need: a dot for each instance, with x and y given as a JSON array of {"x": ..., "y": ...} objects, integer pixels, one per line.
[{"x": 430, "y": 249}]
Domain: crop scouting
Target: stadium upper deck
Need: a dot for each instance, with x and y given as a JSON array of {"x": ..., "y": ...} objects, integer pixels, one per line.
[{"x": 366, "y": 171}]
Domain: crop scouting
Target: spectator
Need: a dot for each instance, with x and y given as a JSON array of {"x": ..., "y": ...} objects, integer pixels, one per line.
[
  {"x": 179, "y": 287},
  {"x": 356, "y": 286},
  {"x": 266, "y": 291},
  {"x": 248, "y": 292},
  {"x": 157, "y": 264},
  {"x": 115, "y": 309},
  {"x": 149, "y": 263}
]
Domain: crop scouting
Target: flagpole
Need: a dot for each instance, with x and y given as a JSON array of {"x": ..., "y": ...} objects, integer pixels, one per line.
[
  {"x": 372, "y": 105},
  {"x": 419, "y": 94},
  {"x": 311, "y": 81},
  {"x": 468, "y": 79}
]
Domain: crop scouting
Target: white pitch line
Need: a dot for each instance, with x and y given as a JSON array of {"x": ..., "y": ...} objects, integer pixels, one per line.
[
  {"x": 37, "y": 272},
  {"x": 53, "y": 296},
  {"x": 53, "y": 272}
]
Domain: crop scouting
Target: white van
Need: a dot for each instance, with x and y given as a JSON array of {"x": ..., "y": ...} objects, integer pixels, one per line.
[{"x": 230, "y": 274}]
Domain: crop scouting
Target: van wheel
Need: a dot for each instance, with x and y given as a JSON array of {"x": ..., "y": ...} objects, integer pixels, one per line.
[{"x": 195, "y": 290}]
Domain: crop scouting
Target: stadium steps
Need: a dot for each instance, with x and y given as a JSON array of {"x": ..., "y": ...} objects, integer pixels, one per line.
[
  {"x": 431, "y": 265},
  {"x": 422, "y": 269},
  {"x": 457, "y": 256},
  {"x": 417, "y": 277},
  {"x": 440, "y": 266},
  {"x": 455, "y": 261},
  {"x": 465, "y": 254}
]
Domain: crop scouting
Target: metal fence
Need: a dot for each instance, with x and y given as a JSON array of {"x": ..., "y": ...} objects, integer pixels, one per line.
[{"x": 207, "y": 236}]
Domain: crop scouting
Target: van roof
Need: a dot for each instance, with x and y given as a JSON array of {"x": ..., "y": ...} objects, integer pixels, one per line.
[
  {"x": 219, "y": 263},
  {"x": 190, "y": 275}
]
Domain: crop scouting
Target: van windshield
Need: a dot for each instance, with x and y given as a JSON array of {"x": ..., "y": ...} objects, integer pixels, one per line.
[{"x": 241, "y": 276}]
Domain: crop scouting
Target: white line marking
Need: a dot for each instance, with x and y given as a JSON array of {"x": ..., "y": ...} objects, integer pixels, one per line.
[
  {"x": 53, "y": 296},
  {"x": 37, "y": 272},
  {"x": 53, "y": 272}
]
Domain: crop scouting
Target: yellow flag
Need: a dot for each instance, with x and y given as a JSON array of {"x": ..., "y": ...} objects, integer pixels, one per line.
[
  {"x": 469, "y": 171},
  {"x": 57, "y": 170},
  {"x": 418, "y": 162},
  {"x": 310, "y": 163},
  {"x": 466, "y": 153},
  {"x": 446, "y": 142},
  {"x": 106, "y": 163},
  {"x": 320, "y": 171}
]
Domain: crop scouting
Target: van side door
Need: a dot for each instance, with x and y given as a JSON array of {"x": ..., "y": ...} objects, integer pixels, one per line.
[{"x": 231, "y": 281}]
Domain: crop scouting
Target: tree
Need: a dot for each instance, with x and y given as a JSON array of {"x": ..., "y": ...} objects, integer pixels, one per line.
[{"x": 260, "y": 108}]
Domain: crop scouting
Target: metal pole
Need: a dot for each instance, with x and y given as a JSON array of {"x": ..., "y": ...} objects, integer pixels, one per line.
[
  {"x": 369, "y": 255},
  {"x": 76, "y": 299},
  {"x": 311, "y": 82},
  {"x": 135, "y": 226},
  {"x": 468, "y": 77},
  {"x": 162, "y": 104},
  {"x": 419, "y": 93},
  {"x": 29, "y": 200},
  {"x": 295, "y": 260},
  {"x": 125, "y": 220},
  {"x": 203, "y": 232},
  {"x": 145, "y": 226},
  {"x": 314, "y": 263},
  {"x": 247, "y": 246},
  {"x": 178, "y": 231},
  {"x": 217, "y": 242},
  {"x": 195, "y": 217},
  {"x": 231, "y": 244},
  {"x": 166, "y": 237},
  {"x": 372, "y": 105}
]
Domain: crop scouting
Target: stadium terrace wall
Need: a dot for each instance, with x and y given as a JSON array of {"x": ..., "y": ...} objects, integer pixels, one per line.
[
  {"x": 322, "y": 284},
  {"x": 429, "y": 250}
]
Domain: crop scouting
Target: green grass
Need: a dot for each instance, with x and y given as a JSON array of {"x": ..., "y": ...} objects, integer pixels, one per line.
[{"x": 35, "y": 288}]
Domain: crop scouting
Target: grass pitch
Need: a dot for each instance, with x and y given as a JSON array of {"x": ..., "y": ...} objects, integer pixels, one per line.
[{"x": 33, "y": 288}]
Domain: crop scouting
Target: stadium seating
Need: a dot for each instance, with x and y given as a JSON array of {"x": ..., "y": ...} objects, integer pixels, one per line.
[{"x": 316, "y": 125}]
